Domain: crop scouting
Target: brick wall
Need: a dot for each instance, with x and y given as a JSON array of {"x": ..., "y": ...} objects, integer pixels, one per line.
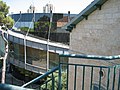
[{"x": 99, "y": 35}]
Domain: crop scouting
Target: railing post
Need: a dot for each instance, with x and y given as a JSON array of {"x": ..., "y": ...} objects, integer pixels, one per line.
[
  {"x": 53, "y": 82},
  {"x": 75, "y": 77},
  {"x": 100, "y": 78},
  {"x": 59, "y": 81},
  {"x": 46, "y": 85},
  {"x": 108, "y": 78},
  {"x": 67, "y": 76},
  {"x": 91, "y": 78},
  {"x": 119, "y": 80},
  {"x": 83, "y": 78},
  {"x": 114, "y": 74}
]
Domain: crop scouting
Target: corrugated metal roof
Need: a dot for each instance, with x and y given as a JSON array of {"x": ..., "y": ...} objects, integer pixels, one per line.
[{"x": 84, "y": 14}]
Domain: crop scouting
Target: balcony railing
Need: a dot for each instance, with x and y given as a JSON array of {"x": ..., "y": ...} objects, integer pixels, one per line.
[{"x": 81, "y": 76}]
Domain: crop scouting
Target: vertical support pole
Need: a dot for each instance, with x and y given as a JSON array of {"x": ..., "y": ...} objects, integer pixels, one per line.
[
  {"x": 33, "y": 20},
  {"x": 48, "y": 40},
  {"x": 59, "y": 81},
  {"x": 45, "y": 85},
  {"x": 25, "y": 54},
  {"x": 119, "y": 80},
  {"x": 4, "y": 65},
  {"x": 108, "y": 78},
  {"x": 53, "y": 80},
  {"x": 83, "y": 77},
  {"x": 91, "y": 78},
  {"x": 75, "y": 77},
  {"x": 100, "y": 76},
  {"x": 67, "y": 77},
  {"x": 25, "y": 50},
  {"x": 114, "y": 75},
  {"x": 47, "y": 54},
  {"x": 4, "y": 59}
]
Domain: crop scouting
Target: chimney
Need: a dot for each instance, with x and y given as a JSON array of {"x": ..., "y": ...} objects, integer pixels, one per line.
[{"x": 68, "y": 16}]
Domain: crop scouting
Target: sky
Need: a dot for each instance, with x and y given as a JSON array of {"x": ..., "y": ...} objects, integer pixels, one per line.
[{"x": 61, "y": 6}]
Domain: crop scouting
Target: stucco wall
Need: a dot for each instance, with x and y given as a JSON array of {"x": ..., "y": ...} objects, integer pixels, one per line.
[{"x": 99, "y": 35}]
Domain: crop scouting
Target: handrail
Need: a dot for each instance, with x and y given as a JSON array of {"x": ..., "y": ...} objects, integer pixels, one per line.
[
  {"x": 41, "y": 76},
  {"x": 91, "y": 56}
]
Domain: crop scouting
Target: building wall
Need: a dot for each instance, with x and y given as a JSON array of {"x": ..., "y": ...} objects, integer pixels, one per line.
[
  {"x": 60, "y": 24},
  {"x": 24, "y": 24},
  {"x": 2, "y": 46},
  {"x": 99, "y": 35},
  {"x": 26, "y": 19}
]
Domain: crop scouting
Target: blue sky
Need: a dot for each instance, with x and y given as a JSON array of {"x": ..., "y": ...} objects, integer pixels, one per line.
[{"x": 61, "y": 6}]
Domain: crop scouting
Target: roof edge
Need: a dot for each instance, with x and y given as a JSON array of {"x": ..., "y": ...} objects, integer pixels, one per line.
[{"x": 84, "y": 14}]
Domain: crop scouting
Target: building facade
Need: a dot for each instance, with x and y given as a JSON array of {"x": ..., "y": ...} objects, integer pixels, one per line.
[
  {"x": 28, "y": 19},
  {"x": 95, "y": 31}
]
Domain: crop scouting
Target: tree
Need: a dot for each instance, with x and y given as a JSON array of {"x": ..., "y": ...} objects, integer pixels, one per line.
[
  {"x": 4, "y": 19},
  {"x": 7, "y": 21},
  {"x": 43, "y": 24},
  {"x": 25, "y": 29}
]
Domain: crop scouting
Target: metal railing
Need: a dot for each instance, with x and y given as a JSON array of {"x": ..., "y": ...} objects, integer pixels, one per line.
[
  {"x": 47, "y": 78},
  {"x": 79, "y": 76}
]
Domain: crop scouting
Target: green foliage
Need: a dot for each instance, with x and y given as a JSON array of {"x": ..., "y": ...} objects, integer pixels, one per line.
[
  {"x": 56, "y": 82},
  {"x": 4, "y": 19},
  {"x": 25, "y": 29},
  {"x": 43, "y": 24},
  {"x": 8, "y": 21},
  {"x": 4, "y": 8}
]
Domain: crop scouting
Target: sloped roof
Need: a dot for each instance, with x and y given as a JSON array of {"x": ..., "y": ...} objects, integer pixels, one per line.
[{"x": 84, "y": 14}]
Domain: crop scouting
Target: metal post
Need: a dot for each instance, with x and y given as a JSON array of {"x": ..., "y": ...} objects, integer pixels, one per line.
[
  {"x": 5, "y": 58},
  {"x": 4, "y": 66},
  {"x": 48, "y": 40},
  {"x": 47, "y": 54},
  {"x": 25, "y": 50}
]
